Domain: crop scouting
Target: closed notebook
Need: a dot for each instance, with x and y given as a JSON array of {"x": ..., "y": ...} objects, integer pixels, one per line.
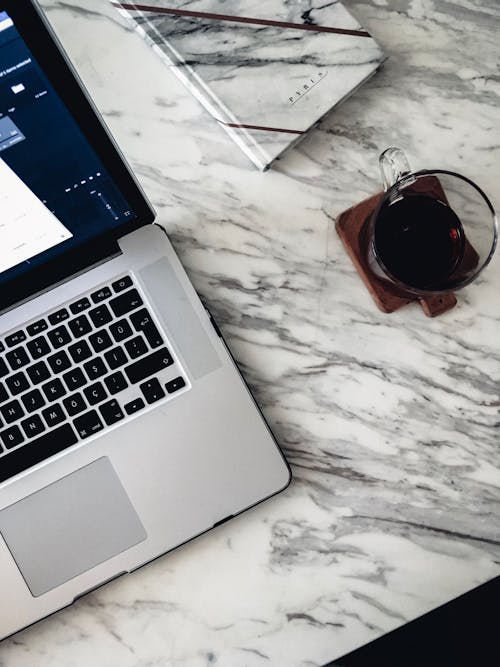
[{"x": 266, "y": 70}]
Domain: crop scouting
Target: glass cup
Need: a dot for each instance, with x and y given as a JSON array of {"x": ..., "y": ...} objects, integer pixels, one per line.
[{"x": 433, "y": 231}]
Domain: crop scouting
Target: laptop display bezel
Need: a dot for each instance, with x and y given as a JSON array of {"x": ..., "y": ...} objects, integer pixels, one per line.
[{"x": 41, "y": 41}]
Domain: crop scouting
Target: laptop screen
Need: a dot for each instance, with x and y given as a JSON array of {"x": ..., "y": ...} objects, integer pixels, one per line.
[{"x": 55, "y": 191}]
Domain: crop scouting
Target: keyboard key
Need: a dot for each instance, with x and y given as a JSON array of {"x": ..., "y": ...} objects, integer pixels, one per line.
[
  {"x": 175, "y": 385},
  {"x": 101, "y": 294},
  {"x": 88, "y": 424},
  {"x": 126, "y": 302},
  {"x": 37, "y": 450},
  {"x": 15, "y": 338},
  {"x": 95, "y": 393},
  {"x": 136, "y": 347},
  {"x": 100, "y": 316},
  {"x": 101, "y": 340},
  {"x": 80, "y": 351},
  {"x": 12, "y": 411},
  {"x": 3, "y": 368},
  {"x": 38, "y": 372},
  {"x": 115, "y": 383},
  {"x": 95, "y": 368},
  {"x": 134, "y": 406},
  {"x": 17, "y": 383},
  {"x": 53, "y": 415},
  {"x": 3, "y": 394},
  {"x": 59, "y": 362},
  {"x": 59, "y": 337},
  {"x": 11, "y": 437},
  {"x": 17, "y": 358},
  {"x": 2, "y": 347},
  {"x": 54, "y": 389},
  {"x": 80, "y": 326},
  {"x": 120, "y": 330},
  {"x": 74, "y": 379},
  {"x": 122, "y": 283},
  {"x": 152, "y": 390},
  {"x": 38, "y": 347},
  {"x": 74, "y": 404},
  {"x": 111, "y": 412},
  {"x": 37, "y": 327},
  {"x": 58, "y": 316},
  {"x": 33, "y": 400},
  {"x": 115, "y": 357},
  {"x": 147, "y": 366},
  {"x": 80, "y": 306},
  {"x": 33, "y": 426},
  {"x": 142, "y": 322}
]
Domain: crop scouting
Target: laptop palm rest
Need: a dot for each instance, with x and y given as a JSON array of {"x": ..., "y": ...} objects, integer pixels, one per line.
[{"x": 70, "y": 526}]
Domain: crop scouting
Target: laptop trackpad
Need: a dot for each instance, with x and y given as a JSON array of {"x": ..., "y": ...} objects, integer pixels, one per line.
[{"x": 70, "y": 526}]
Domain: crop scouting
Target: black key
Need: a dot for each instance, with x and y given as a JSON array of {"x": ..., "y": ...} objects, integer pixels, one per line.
[
  {"x": 122, "y": 283},
  {"x": 134, "y": 406},
  {"x": 38, "y": 347},
  {"x": 79, "y": 306},
  {"x": 15, "y": 338},
  {"x": 136, "y": 347},
  {"x": 142, "y": 322},
  {"x": 59, "y": 362},
  {"x": 80, "y": 326},
  {"x": 2, "y": 346},
  {"x": 115, "y": 383},
  {"x": 88, "y": 424},
  {"x": 80, "y": 351},
  {"x": 100, "y": 340},
  {"x": 152, "y": 390},
  {"x": 12, "y": 411},
  {"x": 175, "y": 385},
  {"x": 33, "y": 400},
  {"x": 3, "y": 368},
  {"x": 38, "y": 372},
  {"x": 120, "y": 330},
  {"x": 95, "y": 368},
  {"x": 74, "y": 404},
  {"x": 17, "y": 383},
  {"x": 100, "y": 316},
  {"x": 146, "y": 366},
  {"x": 101, "y": 294},
  {"x": 3, "y": 393},
  {"x": 125, "y": 302},
  {"x": 53, "y": 415},
  {"x": 37, "y": 327},
  {"x": 95, "y": 393},
  {"x": 59, "y": 337},
  {"x": 59, "y": 316},
  {"x": 111, "y": 412},
  {"x": 116, "y": 357},
  {"x": 12, "y": 437},
  {"x": 33, "y": 426},
  {"x": 37, "y": 450},
  {"x": 74, "y": 379},
  {"x": 54, "y": 389},
  {"x": 17, "y": 358}
]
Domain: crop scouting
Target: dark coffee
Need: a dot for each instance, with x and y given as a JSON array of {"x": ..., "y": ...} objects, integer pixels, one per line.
[{"x": 419, "y": 240}]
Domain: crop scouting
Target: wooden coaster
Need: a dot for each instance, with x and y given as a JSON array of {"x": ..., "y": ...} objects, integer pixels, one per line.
[{"x": 351, "y": 226}]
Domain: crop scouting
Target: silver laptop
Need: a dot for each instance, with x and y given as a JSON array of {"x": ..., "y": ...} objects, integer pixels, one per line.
[{"x": 125, "y": 427}]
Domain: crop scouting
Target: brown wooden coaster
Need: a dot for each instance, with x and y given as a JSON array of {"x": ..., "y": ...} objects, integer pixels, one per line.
[{"x": 351, "y": 226}]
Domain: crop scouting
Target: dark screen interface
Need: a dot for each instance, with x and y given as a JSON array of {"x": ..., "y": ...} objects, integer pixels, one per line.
[{"x": 55, "y": 192}]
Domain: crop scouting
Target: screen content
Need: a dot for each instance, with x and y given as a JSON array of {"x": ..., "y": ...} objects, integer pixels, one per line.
[{"x": 55, "y": 193}]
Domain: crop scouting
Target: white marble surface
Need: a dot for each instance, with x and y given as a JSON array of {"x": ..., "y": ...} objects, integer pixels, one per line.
[{"x": 390, "y": 422}]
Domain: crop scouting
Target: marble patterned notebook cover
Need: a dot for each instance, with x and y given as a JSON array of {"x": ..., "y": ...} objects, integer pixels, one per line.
[{"x": 266, "y": 70}]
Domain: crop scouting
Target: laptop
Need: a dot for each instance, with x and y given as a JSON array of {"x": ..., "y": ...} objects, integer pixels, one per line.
[{"x": 125, "y": 426}]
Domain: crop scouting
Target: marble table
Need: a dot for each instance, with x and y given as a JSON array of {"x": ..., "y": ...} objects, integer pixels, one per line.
[{"x": 390, "y": 423}]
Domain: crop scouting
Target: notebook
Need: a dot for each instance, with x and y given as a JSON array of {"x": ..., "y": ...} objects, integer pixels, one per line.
[{"x": 266, "y": 70}]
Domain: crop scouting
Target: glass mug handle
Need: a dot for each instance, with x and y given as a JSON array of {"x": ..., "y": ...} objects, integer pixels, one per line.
[{"x": 393, "y": 166}]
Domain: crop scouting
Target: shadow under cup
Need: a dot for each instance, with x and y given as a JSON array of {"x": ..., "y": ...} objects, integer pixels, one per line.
[{"x": 432, "y": 231}]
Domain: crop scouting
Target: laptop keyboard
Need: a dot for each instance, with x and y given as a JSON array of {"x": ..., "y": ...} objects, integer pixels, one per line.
[{"x": 76, "y": 372}]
